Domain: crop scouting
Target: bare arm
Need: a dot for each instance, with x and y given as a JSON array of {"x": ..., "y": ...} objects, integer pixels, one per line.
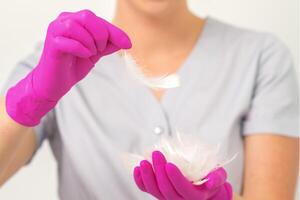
[
  {"x": 17, "y": 144},
  {"x": 271, "y": 167}
]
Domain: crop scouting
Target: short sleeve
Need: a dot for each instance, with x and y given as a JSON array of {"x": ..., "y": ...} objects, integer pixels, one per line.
[
  {"x": 47, "y": 125},
  {"x": 275, "y": 100}
]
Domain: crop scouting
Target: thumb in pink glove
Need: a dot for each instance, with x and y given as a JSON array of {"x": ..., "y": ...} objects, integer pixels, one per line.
[
  {"x": 74, "y": 43},
  {"x": 165, "y": 182}
]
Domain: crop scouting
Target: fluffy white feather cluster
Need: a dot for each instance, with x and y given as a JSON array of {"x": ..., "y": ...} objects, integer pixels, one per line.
[{"x": 194, "y": 158}]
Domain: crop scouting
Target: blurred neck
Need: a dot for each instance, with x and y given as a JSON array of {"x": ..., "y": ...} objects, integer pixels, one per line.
[{"x": 161, "y": 32}]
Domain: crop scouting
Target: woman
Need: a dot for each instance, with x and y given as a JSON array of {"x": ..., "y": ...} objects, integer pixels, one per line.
[{"x": 237, "y": 87}]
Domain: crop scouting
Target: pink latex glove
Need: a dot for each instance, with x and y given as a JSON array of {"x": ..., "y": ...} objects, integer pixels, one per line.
[
  {"x": 165, "y": 182},
  {"x": 74, "y": 43}
]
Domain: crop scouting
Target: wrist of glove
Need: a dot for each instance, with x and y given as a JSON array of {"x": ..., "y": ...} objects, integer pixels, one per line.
[
  {"x": 165, "y": 182},
  {"x": 24, "y": 105}
]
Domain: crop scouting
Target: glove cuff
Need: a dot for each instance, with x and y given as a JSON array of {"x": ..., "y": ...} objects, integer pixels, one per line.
[{"x": 24, "y": 106}]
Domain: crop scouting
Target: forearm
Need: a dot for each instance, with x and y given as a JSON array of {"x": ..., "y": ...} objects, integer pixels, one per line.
[
  {"x": 12, "y": 138},
  {"x": 271, "y": 167}
]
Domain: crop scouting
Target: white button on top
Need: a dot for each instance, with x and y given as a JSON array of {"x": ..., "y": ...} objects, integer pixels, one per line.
[{"x": 158, "y": 130}]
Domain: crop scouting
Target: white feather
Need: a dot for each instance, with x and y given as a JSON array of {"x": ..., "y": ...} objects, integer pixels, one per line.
[
  {"x": 194, "y": 158},
  {"x": 163, "y": 82}
]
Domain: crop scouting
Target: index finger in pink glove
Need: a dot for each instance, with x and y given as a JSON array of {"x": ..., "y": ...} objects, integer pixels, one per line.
[
  {"x": 73, "y": 47},
  {"x": 184, "y": 187},
  {"x": 69, "y": 28},
  {"x": 115, "y": 34},
  {"x": 164, "y": 184},
  {"x": 102, "y": 31},
  {"x": 149, "y": 179}
]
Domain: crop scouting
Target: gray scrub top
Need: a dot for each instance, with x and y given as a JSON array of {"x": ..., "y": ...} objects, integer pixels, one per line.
[{"x": 234, "y": 83}]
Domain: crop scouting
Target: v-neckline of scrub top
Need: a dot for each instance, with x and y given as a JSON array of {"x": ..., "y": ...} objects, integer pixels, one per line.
[
  {"x": 170, "y": 101},
  {"x": 184, "y": 70}
]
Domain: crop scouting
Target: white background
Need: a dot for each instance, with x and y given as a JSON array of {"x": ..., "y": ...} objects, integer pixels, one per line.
[{"x": 23, "y": 23}]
